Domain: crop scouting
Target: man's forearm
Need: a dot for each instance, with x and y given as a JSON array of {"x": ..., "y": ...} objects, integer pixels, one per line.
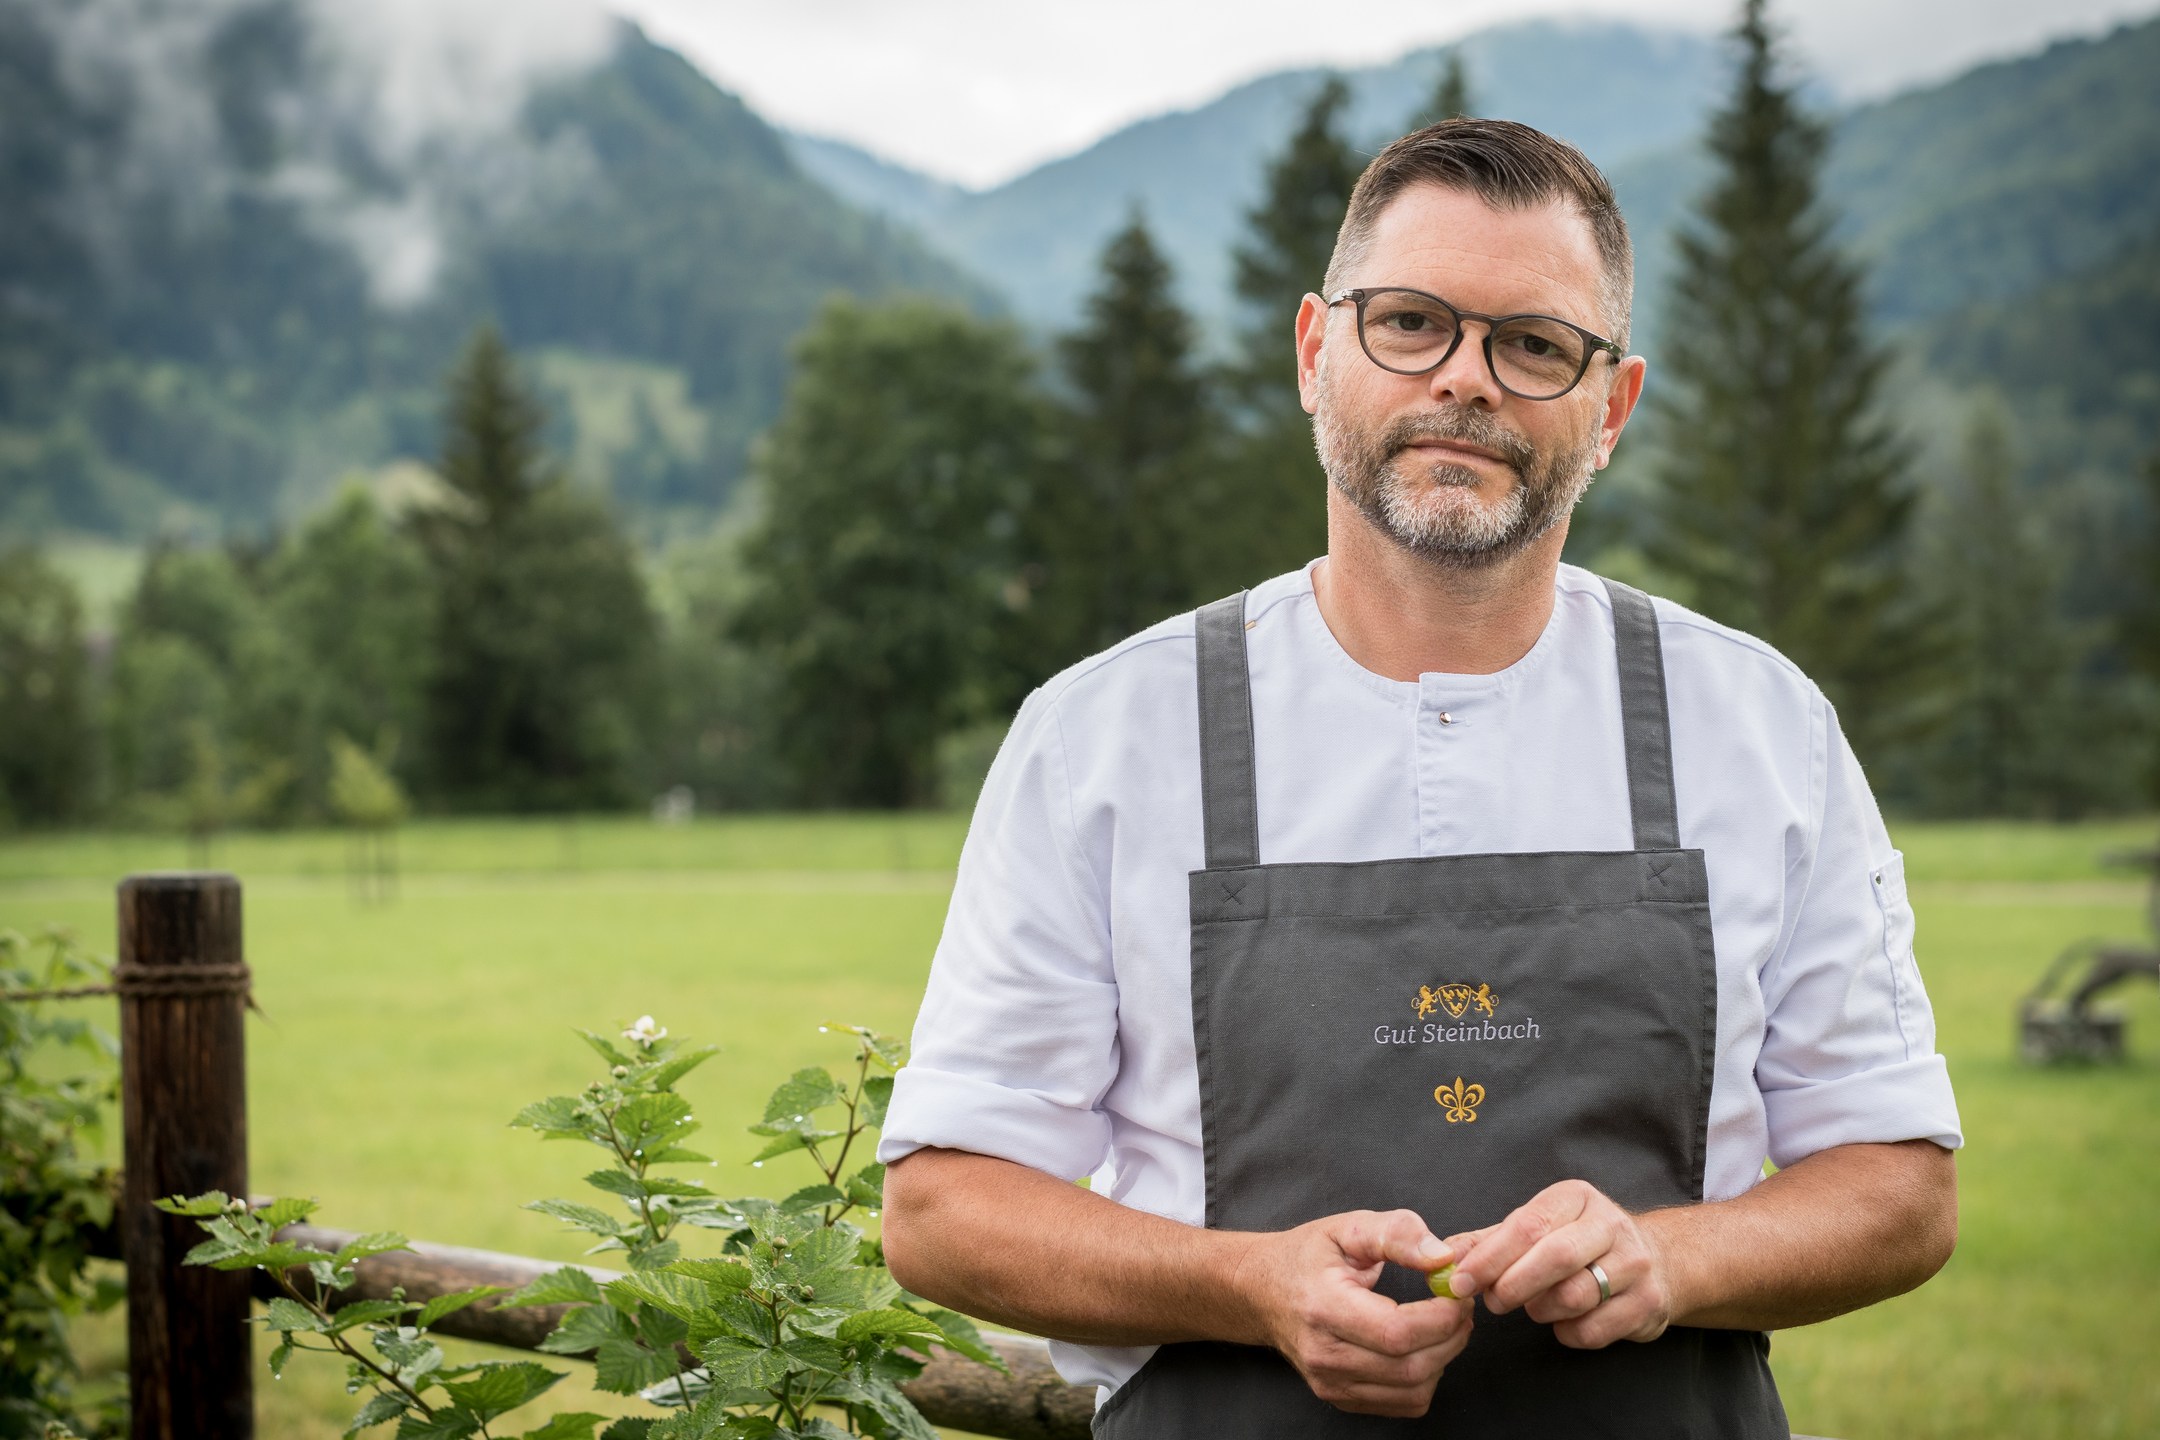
[
  {"x": 1015, "y": 1246},
  {"x": 1836, "y": 1231}
]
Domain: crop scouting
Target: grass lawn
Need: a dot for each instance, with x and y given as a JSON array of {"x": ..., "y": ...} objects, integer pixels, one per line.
[{"x": 398, "y": 1040}]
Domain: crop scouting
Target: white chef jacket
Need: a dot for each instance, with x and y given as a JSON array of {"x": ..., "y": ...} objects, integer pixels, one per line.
[{"x": 1057, "y": 1027}]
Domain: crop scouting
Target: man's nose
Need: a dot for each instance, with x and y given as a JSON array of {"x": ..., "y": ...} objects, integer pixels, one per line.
[{"x": 1466, "y": 379}]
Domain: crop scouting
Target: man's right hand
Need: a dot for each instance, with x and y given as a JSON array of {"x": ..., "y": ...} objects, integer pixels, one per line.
[{"x": 1312, "y": 1288}]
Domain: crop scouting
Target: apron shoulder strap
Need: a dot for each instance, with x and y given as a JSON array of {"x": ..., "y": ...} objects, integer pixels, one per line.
[
  {"x": 1229, "y": 789},
  {"x": 1644, "y": 722}
]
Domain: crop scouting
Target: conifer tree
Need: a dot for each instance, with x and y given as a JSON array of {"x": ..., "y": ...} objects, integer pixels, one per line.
[
  {"x": 1451, "y": 94},
  {"x": 1279, "y": 519},
  {"x": 1784, "y": 508},
  {"x": 542, "y": 633},
  {"x": 1118, "y": 540},
  {"x": 2014, "y": 741}
]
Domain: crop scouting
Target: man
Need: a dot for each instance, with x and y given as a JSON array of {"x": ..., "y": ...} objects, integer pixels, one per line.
[{"x": 1439, "y": 903}]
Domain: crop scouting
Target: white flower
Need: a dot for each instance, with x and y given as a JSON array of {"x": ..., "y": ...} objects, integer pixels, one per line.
[{"x": 645, "y": 1032}]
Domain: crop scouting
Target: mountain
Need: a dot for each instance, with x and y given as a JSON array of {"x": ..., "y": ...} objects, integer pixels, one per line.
[
  {"x": 2000, "y": 181},
  {"x": 1616, "y": 90},
  {"x": 228, "y": 276}
]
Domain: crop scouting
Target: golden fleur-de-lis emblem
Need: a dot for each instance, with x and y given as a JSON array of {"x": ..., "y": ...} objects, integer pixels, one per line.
[{"x": 1460, "y": 1100}]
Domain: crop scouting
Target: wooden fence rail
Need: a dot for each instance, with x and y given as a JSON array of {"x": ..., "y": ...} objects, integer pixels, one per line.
[{"x": 183, "y": 991}]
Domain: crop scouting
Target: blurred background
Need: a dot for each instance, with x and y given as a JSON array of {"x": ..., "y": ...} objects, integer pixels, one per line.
[{"x": 565, "y": 501}]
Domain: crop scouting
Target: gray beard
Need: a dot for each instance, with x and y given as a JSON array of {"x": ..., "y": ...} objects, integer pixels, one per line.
[{"x": 1431, "y": 509}]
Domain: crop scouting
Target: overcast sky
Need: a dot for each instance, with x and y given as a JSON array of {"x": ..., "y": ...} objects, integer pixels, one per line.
[{"x": 980, "y": 90}]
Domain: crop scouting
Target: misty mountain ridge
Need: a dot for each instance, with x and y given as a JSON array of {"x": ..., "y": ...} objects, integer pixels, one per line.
[
  {"x": 1616, "y": 90},
  {"x": 232, "y": 274}
]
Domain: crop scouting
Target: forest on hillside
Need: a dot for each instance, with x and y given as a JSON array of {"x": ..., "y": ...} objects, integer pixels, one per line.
[{"x": 684, "y": 474}]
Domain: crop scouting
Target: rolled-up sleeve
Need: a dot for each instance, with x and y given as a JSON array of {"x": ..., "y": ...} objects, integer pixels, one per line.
[
  {"x": 1848, "y": 1052},
  {"x": 1016, "y": 1041}
]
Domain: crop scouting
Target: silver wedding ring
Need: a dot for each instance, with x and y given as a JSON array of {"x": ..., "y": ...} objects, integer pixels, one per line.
[{"x": 1604, "y": 1284}]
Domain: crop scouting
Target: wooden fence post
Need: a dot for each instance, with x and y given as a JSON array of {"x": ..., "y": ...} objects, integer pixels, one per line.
[{"x": 183, "y": 1075}]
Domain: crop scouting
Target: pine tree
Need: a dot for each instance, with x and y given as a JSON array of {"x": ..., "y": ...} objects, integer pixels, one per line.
[
  {"x": 1120, "y": 538},
  {"x": 1279, "y": 519},
  {"x": 2015, "y": 741},
  {"x": 1784, "y": 508},
  {"x": 543, "y": 635},
  {"x": 1451, "y": 94}
]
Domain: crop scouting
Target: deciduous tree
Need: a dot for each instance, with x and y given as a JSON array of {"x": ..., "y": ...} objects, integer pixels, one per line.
[{"x": 884, "y": 566}]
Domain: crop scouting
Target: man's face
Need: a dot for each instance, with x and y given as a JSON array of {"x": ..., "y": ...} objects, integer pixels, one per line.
[{"x": 1449, "y": 465}]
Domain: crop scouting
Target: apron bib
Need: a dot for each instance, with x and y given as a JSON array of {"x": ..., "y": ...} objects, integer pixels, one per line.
[{"x": 1450, "y": 1035}]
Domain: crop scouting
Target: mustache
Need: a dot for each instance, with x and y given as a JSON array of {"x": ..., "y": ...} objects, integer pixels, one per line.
[{"x": 1462, "y": 424}]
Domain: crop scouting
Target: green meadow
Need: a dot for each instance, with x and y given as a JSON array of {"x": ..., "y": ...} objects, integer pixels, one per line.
[{"x": 398, "y": 1039}]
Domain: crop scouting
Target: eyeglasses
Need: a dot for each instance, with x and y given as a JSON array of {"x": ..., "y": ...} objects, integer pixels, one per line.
[{"x": 1536, "y": 357}]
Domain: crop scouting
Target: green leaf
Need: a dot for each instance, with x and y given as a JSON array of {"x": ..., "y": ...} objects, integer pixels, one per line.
[
  {"x": 567, "y": 1285},
  {"x": 824, "y": 1250},
  {"x": 448, "y": 1424},
  {"x": 366, "y": 1312},
  {"x": 410, "y": 1351},
  {"x": 815, "y": 1352},
  {"x": 676, "y": 1154},
  {"x": 624, "y": 1367},
  {"x": 733, "y": 1364},
  {"x": 812, "y": 1197},
  {"x": 377, "y": 1242},
  {"x": 723, "y": 1276},
  {"x": 583, "y": 1329},
  {"x": 890, "y": 1052},
  {"x": 456, "y": 1300},
  {"x": 660, "y": 1328},
  {"x": 866, "y": 1187},
  {"x": 286, "y": 1316},
  {"x": 606, "y": 1049},
  {"x": 585, "y": 1217},
  {"x": 618, "y": 1182},
  {"x": 501, "y": 1387},
  {"x": 669, "y": 1290},
  {"x": 960, "y": 1334},
  {"x": 210, "y": 1202},
  {"x": 556, "y": 1115},
  {"x": 678, "y": 1065},
  {"x": 630, "y": 1427},
  {"x": 808, "y": 1090},
  {"x": 654, "y": 1255},
  {"x": 284, "y": 1211},
  {"x": 889, "y": 1321},
  {"x": 789, "y": 1140},
  {"x": 268, "y": 1257},
  {"x": 877, "y": 1094},
  {"x": 651, "y": 1117},
  {"x": 279, "y": 1356},
  {"x": 574, "y": 1425},
  {"x": 383, "y": 1405}
]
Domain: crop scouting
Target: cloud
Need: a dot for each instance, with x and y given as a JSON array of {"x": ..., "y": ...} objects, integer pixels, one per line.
[{"x": 388, "y": 124}]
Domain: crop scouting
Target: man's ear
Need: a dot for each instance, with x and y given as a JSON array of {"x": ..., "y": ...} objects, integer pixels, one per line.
[
  {"x": 1312, "y": 317},
  {"x": 1620, "y": 402}
]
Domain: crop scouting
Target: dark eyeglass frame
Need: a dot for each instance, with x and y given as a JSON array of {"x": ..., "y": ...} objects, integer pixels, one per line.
[{"x": 1593, "y": 342}]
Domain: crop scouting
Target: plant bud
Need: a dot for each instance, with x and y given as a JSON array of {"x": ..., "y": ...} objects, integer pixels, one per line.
[
  {"x": 1438, "y": 1281},
  {"x": 620, "y": 1071}
]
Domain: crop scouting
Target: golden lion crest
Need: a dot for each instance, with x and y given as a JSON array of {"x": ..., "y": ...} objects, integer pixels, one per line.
[{"x": 1455, "y": 999}]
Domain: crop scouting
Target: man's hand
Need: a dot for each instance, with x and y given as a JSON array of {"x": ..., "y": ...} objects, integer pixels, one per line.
[
  {"x": 1843, "y": 1228},
  {"x": 1357, "y": 1349},
  {"x": 1539, "y": 1259}
]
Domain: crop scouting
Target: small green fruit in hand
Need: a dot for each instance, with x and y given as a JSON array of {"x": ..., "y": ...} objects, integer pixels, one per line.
[{"x": 1439, "y": 1279}]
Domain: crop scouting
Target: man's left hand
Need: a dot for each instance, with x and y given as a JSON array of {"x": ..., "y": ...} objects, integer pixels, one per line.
[{"x": 1539, "y": 1259}]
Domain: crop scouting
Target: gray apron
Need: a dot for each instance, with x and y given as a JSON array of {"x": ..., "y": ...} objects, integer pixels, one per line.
[{"x": 1452, "y": 1034}]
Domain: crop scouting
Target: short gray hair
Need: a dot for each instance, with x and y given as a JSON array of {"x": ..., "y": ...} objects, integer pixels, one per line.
[{"x": 1510, "y": 167}]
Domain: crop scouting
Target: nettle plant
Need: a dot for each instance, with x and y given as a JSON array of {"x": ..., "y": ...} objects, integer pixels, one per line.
[{"x": 792, "y": 1328}]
